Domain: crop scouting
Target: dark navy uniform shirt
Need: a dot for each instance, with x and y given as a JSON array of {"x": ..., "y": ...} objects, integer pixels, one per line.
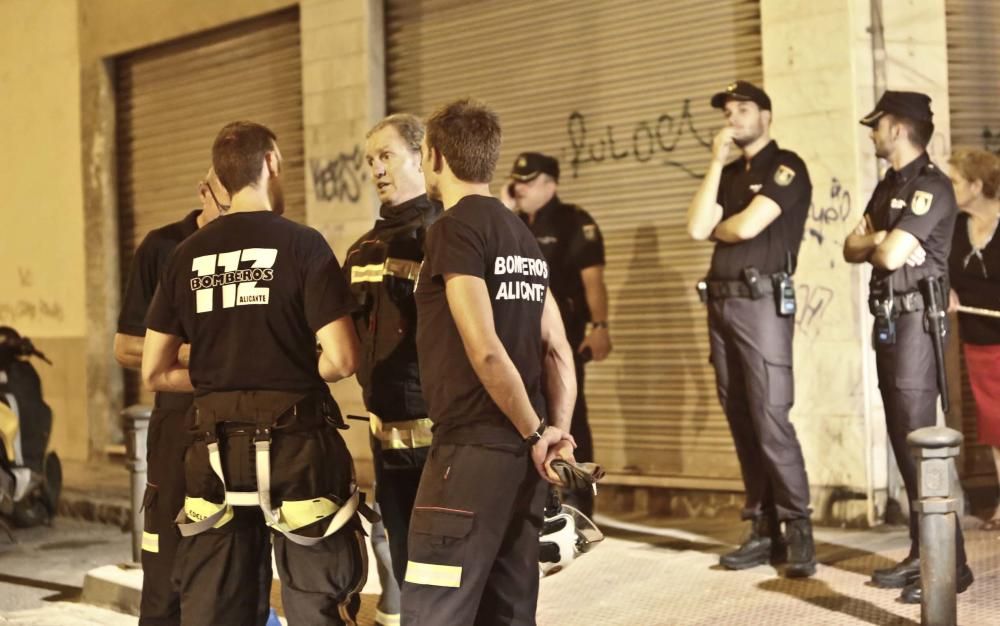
[
  {"x": 147, "y": 266},
  {"x": 776, "y": 174},
  {"x": 571, "y": 242},
  {"x": 920, "y": 200}
]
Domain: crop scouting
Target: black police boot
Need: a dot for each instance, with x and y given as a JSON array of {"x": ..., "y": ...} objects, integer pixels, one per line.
[
  {"x": 898, "y": 576},
  {"x": 801, "y": 549},
  {"x": 759, "y": 547},
  {"x": 913, "y": 594}
]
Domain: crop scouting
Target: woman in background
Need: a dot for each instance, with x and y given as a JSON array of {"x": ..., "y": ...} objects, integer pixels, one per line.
[{"x": 974, "y": 269}]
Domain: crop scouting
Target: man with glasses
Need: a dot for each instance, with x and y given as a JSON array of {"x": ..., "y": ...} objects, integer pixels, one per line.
[
  {"x": 905, "y": 234},
  {"x": 160, "y": 602},
  {"x": 252, "y": 293}
]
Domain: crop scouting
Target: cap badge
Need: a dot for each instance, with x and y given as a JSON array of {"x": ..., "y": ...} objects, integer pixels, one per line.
[
  {"x": 921, "y": 202},
  {"x": 522, "y": 162},
  {"x": 732, "y": 87},
  {"x": 784, "y": 175}
]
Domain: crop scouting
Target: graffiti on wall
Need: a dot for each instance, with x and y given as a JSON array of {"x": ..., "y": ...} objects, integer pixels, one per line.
[
  {"x": 649, "y": 140},
  {"x": 339, "y": 179}
]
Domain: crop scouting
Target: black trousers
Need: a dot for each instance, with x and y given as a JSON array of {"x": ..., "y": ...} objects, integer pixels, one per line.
[
  {"x": 907, "y": 380},
  {"x": 217, "y": 570},
  {"x": 159, "y": 604},
  {"x": 474, "y": 538},
  {"x": 397, "y": 478},
  {"x": 751, "y": 352}
]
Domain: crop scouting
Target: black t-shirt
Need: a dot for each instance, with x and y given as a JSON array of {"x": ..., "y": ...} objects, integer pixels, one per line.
[
  {"x": 571, "y": 242},
  {"x": 976, "y": 280},
  {"x": 920, "y": 200},
  {"x": 479, "y": 237},
  {"x": 147, "y": 267},
  {"x": 382, "y": 268},
  {"x": 249, "y": 292},
  {"x": 776, "y": 174}
]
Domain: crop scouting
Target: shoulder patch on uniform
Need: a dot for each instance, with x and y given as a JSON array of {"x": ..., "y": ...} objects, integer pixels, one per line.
[
  {"x": 590, "y": 232},
  {"x": 784, "y": 175},
  {"x": 921, "y": 202}
]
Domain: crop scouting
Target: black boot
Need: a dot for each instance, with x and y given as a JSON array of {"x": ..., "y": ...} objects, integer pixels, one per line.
[
  {"x": 899, "y": 576},
  {"x": 801, "y": 549},
  {"x": 913, "y": 593},
  {"x": 763, "y": 545}
]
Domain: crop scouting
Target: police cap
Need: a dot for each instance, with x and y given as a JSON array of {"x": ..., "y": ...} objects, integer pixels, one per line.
[
  {"x": 911, "y": 105},
  {"x": 529, "y": 165},
  {"x": 742, "y": 90}
]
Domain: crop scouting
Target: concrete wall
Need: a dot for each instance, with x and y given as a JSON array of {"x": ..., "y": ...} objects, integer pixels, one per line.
[{"x": 42, "y": 287}]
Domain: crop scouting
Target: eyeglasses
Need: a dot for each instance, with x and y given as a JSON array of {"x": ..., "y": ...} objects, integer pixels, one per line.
[{"x": 222, "y": 207}]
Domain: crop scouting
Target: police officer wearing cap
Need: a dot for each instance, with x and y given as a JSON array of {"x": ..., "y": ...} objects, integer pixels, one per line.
[
  {"x": 906, "y": 235},
  {"x": 754, "y": 209},
  {"x": 574, "y": 249}
]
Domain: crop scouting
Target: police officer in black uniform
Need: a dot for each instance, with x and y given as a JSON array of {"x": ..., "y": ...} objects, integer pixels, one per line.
[
  {"x": 382, "y": 268},
  {"x": 252, "y": 292},
  {"x": 573, "y": 246},
  {"x": 487, "y": 331},
  {"x": 755, "y": 210},
  {"x": 165, "y": 442},
  {"x": 906, "y": 235}
]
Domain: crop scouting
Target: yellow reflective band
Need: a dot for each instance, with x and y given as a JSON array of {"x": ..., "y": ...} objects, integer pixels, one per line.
[
  {"x": 386, "y": 619},
  {"x": 295, "y": 514},
  {"x": 150, "y": 542},
  {"x": 402, "y": 435},
  {"x": 431, "y": 574},
  {"x": 198, "y": 509},
  {"x": 399, "y": 268}
]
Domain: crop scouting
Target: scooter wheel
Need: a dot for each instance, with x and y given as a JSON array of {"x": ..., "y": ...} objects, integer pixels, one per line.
[{"x": 52, "y": 470}]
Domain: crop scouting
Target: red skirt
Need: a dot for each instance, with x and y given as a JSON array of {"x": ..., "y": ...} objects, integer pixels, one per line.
[{"x": 983, "y": 366}]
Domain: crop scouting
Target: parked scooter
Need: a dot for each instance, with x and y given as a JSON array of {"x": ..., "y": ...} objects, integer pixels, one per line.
[{"x": 30, "y": 474}]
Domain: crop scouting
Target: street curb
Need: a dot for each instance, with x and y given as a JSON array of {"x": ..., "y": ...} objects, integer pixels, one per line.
[
  {"x": 112, "y": 511},
  {"x": 116, "y": 587}
]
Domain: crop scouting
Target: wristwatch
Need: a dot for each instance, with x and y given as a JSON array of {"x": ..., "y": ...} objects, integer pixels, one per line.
[
  {"x": 603, "y": 324},
  {"x": 536, "y": 436}
]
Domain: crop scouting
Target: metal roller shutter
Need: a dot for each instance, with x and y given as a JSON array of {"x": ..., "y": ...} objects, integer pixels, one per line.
[
  {"x": 973, "y": 30},
  {"x": 171, "y": 101},
  {"x": 619, "y": 92}
]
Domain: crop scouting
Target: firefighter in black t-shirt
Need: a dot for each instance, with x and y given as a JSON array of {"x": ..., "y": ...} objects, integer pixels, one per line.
[
  {"x": 573, "y": 246},
  {"x": 906, "y": 234},
  {"x": 159, "y": 602},
  {"x": 382, "y": 268},
  {"x": 487, "y": 331},
  {"x": 252, "y": 292},
  {"x": 755, "y": 210}
]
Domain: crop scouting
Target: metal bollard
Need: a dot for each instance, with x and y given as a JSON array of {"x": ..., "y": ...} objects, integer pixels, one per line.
[
  {"x": 936, "y": 448},
  {"x": 136, "y": 419}
]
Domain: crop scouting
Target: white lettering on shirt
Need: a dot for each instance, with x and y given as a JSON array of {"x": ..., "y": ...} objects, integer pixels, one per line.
[
  {"x": 239, "y": 286},
  {"x": 520, "y": 289}
]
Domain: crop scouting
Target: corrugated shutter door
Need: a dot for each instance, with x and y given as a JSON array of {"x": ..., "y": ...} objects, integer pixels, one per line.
[
  {"x": 173, "y": 98},
  {"x": 619, "y": 92},
  {"x": 973, "y": 28}
]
